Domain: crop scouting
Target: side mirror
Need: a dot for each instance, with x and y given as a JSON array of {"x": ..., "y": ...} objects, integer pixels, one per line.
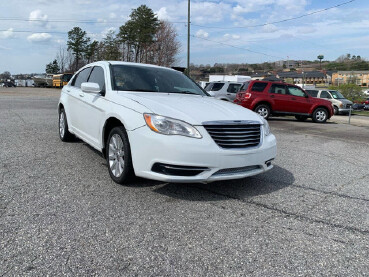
[
  {"x": 89, "y": 87},
  {"x": 306, "y": 95}
]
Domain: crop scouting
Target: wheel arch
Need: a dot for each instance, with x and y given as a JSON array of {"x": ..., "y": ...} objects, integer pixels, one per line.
[
  {"x": 109, "y": 124},
  {"x": 262, "y": 102}
]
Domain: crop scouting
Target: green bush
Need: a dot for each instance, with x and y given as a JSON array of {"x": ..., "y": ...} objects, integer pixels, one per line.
[{"x": 350, "y": 91}]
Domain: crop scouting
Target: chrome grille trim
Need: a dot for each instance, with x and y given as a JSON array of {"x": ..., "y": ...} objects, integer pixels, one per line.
[
  {"x": 235, "y": 134},
  {"x": 237, "y": 170}
]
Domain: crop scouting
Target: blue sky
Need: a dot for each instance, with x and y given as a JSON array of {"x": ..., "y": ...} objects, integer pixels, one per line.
[{"x": 215, "y": 26}]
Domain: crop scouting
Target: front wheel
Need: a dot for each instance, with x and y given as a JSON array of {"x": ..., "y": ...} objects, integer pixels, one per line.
[
  {"x": 118, "y": 155},
  {"x": 320, "y": 115},
  {"x": 263, "y": 110},
  {"x": 335, "y": 110}
]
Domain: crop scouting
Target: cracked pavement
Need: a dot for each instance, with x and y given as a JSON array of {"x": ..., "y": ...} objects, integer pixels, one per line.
[{"x": 60, "y": 214}]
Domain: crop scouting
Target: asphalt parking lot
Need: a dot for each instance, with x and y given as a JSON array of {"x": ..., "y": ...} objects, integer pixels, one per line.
[{"x": 60, "y": 214}]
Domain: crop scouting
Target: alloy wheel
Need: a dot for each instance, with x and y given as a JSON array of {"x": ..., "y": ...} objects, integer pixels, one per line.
[
  {"x": 62, "y": 124},
  {"x": 116, "y": 155},
  {"x": 321, "y": 115}
]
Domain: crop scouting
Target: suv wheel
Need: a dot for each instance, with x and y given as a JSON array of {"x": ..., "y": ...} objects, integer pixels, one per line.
[
  {"x": 335, "y": 110},
  {"x": 301, "y": 117},
  {"x": 118, "y": 155},
  {"x": 263, "y": 110},
  {"x": 64, "y": 134},
  {"x": 320, "y": 115}
]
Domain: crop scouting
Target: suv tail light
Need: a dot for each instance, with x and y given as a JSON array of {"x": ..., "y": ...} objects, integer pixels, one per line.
[{"x": 247, "y": 95}]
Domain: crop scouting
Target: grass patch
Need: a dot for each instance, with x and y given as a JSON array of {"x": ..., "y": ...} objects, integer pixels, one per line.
[{"x": 366, "y": 113}]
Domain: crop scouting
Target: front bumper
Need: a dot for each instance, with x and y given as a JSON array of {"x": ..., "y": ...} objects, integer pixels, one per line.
[
  {"x": 343, "y": 110},
  {"x": 149, "y": 148}
]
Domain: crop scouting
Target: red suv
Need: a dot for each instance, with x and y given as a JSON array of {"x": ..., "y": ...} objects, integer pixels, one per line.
[{"x": 276, "y": 98}]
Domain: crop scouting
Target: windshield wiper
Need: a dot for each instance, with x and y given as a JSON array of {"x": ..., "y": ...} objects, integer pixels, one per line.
[
  {"x": 144, "y": 90},
  {"x": 184, "y": 92}
]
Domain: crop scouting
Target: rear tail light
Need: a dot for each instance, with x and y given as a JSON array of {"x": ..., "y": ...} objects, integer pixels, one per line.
[{"x": 247, "y": 95}]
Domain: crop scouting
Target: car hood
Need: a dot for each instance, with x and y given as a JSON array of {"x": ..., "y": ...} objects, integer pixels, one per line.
[
  {"x": 344, "y": 101},
  {"x": 193, "y": 109}
]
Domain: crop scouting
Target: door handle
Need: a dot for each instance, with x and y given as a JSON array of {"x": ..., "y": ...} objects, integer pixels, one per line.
[
  {"x": 67, "y": 90},
  {"x": 293, "y": 98},
  {"x": 228, "y": 94},
  {"x": 272, "y": 96},
  {"x": 82, "y": 95}
]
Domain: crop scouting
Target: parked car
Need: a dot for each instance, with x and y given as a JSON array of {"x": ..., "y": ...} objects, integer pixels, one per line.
[
  {"x": 358, "y": 106},
  {"x": 223, "y": 90},
  {"x": 275, "y": 98},
  {"x": 340, "y": 104},
  {"x": 366, "y": 101},
  {"x": 157, "y": 123},
  {"x": 366, "y": 107}
]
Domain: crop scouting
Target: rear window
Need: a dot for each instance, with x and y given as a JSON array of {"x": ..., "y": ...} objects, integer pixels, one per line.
[
  {"x": 245, "y": 86},
  {"x": 214, "y": 86},
  {"x": 259, "y": 86},
  {"x": 312, "y": 92}
]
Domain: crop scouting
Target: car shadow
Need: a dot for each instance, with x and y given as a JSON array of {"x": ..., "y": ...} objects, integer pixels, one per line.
[
  {"x": 269, "y": 182},
  {"x": 290, "y": 119}
]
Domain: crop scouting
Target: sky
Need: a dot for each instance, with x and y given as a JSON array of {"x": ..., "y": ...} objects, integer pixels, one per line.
[{"x": 239, "y": 31}]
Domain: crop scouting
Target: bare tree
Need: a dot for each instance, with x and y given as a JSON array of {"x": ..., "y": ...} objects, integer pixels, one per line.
[
  {"x": 62, "y": 58},
  {"x": 166, "y": 46}
]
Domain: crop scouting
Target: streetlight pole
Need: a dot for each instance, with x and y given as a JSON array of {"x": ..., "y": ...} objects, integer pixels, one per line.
[{"x": 188, "y": 39}]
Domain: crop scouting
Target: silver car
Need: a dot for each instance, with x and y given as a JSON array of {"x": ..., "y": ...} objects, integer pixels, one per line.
[
  {"x": 223, "y": 90},
  {"x": 340, "y": 104}
]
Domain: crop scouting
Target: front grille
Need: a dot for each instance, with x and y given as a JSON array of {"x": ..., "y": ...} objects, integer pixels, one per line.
[
  {"x": 235, "y": 135},
  {"x": 236, "y": 170},
  {"x": 348, "y": 106}
]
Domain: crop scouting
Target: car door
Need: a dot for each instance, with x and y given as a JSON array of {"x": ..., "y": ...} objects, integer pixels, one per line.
[
  {"x": 92, "y": 108},
  {"x": 75, "y": 97},
  {"x": 300, "y": 102},
  {"x": 232, "y": 90},
  {"x": 280, "y": 98}
]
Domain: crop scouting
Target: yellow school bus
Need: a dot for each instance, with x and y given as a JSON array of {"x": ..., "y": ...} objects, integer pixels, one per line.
[{"x": 60, "y": 80}]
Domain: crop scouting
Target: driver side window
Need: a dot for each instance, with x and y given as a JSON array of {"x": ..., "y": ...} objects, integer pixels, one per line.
[{"x": 296, "y": 91}]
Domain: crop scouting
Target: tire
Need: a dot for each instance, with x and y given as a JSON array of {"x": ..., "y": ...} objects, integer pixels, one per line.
[
  {"x": 301, "y": 117},
  {"x": 118, "y": 155},
  {"x": 64, "y": 133},
  {"x": 320, "y": 115},
  {"x": 263, "y": 110},
  {"x": 335, "y": 110}
]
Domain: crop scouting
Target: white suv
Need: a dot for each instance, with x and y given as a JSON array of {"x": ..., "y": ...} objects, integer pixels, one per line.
[
  {"x": 224, "y": 90},
  {"x": 157, "y": 123}
]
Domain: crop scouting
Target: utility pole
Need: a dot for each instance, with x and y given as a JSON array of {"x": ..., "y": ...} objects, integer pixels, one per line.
[{"x": 188, "y": 39}]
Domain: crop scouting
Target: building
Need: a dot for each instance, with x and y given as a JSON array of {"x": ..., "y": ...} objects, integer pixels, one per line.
[
  {"x": 287, "y": 64},
  {"x": 310, "y": 77},
  {"x": 360, "y": 78}
]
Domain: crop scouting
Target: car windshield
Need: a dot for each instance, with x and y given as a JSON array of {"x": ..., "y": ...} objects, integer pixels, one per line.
[
  {"x": 153, "y": 79},
  {"x": 336, "y": 94}
]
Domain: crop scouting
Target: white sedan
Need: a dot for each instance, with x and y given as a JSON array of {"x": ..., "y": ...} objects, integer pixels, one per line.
[{"x": 157, "y": 123}]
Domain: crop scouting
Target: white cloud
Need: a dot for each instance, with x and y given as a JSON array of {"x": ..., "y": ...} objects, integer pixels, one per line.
[
  {"x": 39, "y": 37},
  {"x": 231, "y": 36},
  {"x": 163, "y": 14},
  {"x": 202, "y": 34},
  {"x": 270, "y": 28},
  {"x": 108, "y": 30},
  {"x": 37, "y": 17},
  {"x": 8, "y": 33},
  {"x": 112, "y": 15},
  {"x": 4, "y": 48}
]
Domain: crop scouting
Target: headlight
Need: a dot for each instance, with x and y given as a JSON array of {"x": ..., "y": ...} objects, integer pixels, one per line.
[
  {"x": 266, "y": 127},
  {"x": 169, "y": 126}
]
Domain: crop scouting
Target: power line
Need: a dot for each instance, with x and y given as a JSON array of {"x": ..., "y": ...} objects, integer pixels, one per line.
[
  {"x": 86, "y": 21},
  {"x": 237, "y": 47},
  {"x": 279, "y": 21}
]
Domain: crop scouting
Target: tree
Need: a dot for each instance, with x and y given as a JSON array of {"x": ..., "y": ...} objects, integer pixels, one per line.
[
  {"x": 139, "y": 32},
  {"x": 166, "y": 46},
  {"x": 352, "y": 92},
  {"x": 110, "y": 47},
  {"x": 91, "y": 53},
  {"x": 62, "y": 58},
  {"x": 77, "y": 43},
  {"x": 5, "y": 76},
  {"x": 52, "y": 68}
]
